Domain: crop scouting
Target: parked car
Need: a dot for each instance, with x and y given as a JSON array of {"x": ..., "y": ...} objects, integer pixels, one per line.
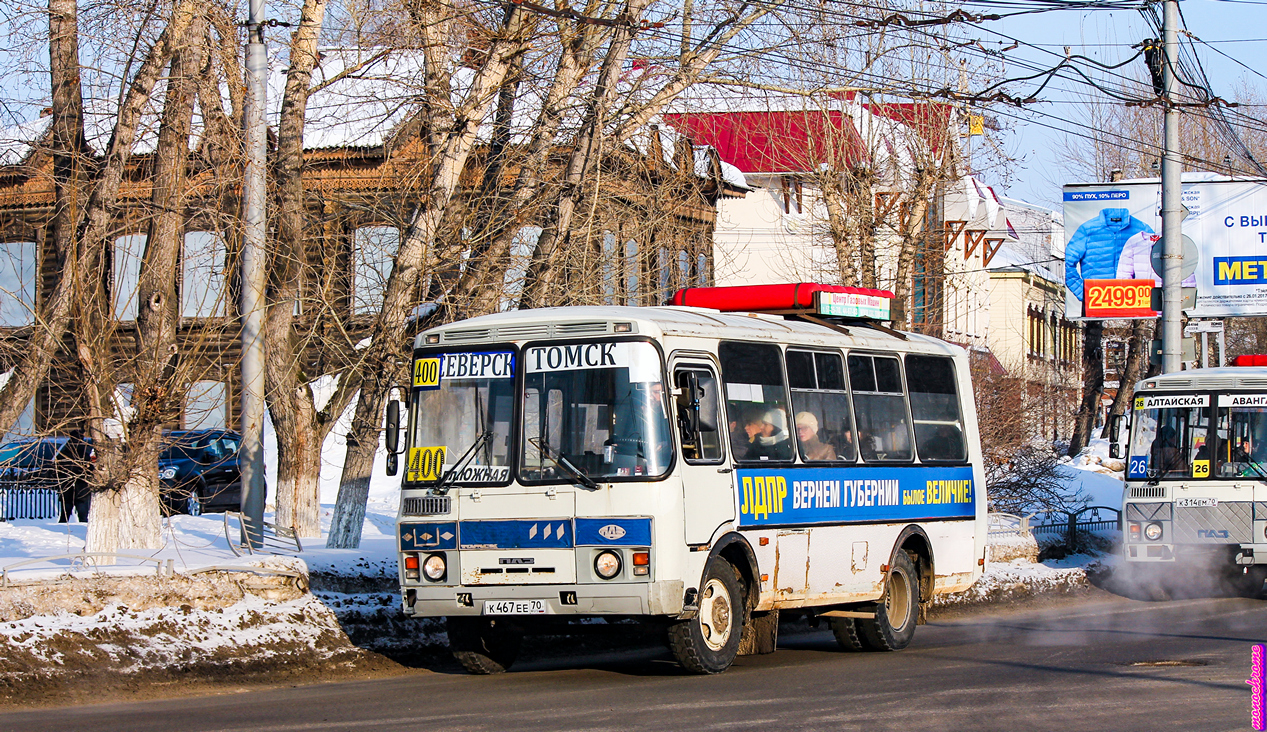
[
  {"x": 30, "y": 462},
  {"x": 31, "y": 467},
  {"x": 198, "y": 470}
]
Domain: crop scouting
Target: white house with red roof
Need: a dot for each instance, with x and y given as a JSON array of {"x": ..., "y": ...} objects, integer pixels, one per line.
[{"x": 779, "y": 231}]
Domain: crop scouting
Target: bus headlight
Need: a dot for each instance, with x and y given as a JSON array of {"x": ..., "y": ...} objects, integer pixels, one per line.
[
  {"x": 607, "y": 565},
  {"x": 1152, "y": 532},
  {"x": 434, "y": 568}
]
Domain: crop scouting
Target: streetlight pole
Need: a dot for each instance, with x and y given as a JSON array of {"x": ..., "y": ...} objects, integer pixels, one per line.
[
  {"x": 1171, "y": 202},
  {"x": 253, "y": 242}
]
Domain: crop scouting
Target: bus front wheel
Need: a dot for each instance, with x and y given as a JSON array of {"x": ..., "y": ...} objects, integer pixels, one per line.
[
  {"x": 709, "y": 642},
  {"x": 482, "y": 646},
  {"x": 893, "y": 626}
]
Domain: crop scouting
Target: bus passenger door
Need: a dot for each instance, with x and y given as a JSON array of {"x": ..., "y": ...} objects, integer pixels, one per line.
[{"x": 707, "y": 496}]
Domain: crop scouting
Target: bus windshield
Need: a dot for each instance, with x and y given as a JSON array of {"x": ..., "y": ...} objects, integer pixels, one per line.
[
  {"x": 1170, "y": 437},
  {"x": 1242, "y": 436},
  {"x": 600, "y": 406},
  {"x": 463, "y": 405}
]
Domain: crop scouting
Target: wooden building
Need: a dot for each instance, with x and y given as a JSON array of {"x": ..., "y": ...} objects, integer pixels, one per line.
[{"x": 648, "y": 225}]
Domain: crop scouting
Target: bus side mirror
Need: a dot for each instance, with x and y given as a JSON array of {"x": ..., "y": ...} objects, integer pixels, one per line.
[
  {"x": 393, "y": 436},
  {"x": 692, "y": 403},
  {"x": 1115, "y": 432}
]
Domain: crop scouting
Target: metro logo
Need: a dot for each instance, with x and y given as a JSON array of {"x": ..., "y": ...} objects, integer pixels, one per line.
[{"x": 1240, "y": 271}]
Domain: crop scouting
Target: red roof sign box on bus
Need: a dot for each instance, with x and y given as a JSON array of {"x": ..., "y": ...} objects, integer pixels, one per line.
[{"x": 831, "y": 300}]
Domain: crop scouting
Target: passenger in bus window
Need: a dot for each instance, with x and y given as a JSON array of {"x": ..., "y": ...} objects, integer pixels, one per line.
[
  {"x": 774, "y": 438},
  {"x": 945, "y": 444},
  {"x": 743, "y": 441},
  {"x": 812, "y": 448}
]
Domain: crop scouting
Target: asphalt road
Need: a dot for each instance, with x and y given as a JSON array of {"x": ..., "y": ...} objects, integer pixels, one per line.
[{"x": 1106, "y": 664}]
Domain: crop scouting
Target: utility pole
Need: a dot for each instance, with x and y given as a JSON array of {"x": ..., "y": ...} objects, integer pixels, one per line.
[
  {"x": 254, "y": 231},
  {"x": 1171, "y": 202}
]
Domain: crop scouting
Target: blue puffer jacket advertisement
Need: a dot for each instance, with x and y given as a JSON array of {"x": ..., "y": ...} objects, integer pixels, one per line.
[{"x": 1095, "y": 248}]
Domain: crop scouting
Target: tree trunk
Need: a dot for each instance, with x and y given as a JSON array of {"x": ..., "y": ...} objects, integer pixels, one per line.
[
  {"x": 1132, "y": 371},
  {"x": 387, "y": 344},
  {"x": 299, "y": 427},
  {"x": 71, "y": 159},
  {"x": 298, "y": 482},
  {"x": 156, "y": 400},
  {"x": 479, "y": 290},
  {"x": 1092, "y": 387},
  {"x": 557, "y": 232},
  {"x": 910, "y": 242},
  {"x": 839, "y": 226},
  {"x": 358, "y": 466}
]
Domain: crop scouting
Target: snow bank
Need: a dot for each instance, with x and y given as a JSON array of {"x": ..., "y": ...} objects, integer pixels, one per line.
[
  {"x": 1098, "y": 476},
  {"x": 1005, "y": 582},
  {"x": 250, "y": 634}
]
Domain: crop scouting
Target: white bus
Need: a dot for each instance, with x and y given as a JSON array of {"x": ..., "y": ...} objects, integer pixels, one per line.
[
  {"x": 1196, "y": 475},
  {"x": 690, "y": 468}
]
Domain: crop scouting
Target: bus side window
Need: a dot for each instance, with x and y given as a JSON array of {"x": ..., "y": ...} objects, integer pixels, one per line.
[
  {"x": 880, "y": 409},
  {"x": 824, "y": 430},
  {"x": 935, "y": 409},
  {"x": 756, "y": 402},
  {"x": 709, "y": 449}
]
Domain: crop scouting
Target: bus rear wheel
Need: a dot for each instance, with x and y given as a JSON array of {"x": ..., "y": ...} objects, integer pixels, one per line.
[
  {"x": 847, "y": 635},
  {"x": 481, "y": 645},
  {"x": 709, "y": 642},
  {"x": 893, "y": 626}
]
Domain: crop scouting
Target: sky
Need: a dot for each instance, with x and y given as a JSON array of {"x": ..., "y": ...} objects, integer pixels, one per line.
[{"x": 1235, "y": 28}]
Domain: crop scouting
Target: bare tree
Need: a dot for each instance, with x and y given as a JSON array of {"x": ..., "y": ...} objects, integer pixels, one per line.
[
  {"x": 378, "y": 369},
  {"x": 300, "y": 426}
]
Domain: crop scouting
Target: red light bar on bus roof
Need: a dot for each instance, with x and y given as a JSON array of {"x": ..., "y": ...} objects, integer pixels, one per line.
[
  {"x": 1256, "y": 359},
  {"x": 833, "y": 300}
]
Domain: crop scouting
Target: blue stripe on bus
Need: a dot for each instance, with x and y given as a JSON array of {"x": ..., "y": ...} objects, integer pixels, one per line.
[
  {"x": 613, "y": 532},
  {"x": 516, "y": 534},
  {"x": 769, "y": 497}
]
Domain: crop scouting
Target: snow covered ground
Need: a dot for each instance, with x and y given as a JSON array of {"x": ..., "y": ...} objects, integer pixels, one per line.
[
  {"x": 1096, "y": 475},
  {"x": 194, "y": 542}
]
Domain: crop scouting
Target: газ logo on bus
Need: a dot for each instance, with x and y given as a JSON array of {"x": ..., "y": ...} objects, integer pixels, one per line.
[{"x": 611, "y": 532}]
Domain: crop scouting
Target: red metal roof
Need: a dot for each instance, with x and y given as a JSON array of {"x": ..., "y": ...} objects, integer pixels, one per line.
[{"x": 801, "y": 140}]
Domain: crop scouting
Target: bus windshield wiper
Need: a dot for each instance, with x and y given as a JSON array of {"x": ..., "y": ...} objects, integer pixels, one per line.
[
  {"x": 448, "y": 480},
  {"x": 560, "y": 460}
]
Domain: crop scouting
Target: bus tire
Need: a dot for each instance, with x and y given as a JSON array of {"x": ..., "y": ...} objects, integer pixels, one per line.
[
  {"x": 846, "y": 632},
  {"x": 709, "y": 642},
  {"x": 480, "y": 646},
  {"x": 893, "y": 626}
]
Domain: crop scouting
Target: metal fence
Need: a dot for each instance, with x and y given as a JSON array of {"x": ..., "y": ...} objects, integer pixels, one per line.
[
  {"x": 30, "y": 502},
  {"x": 1057, "y": 523}
]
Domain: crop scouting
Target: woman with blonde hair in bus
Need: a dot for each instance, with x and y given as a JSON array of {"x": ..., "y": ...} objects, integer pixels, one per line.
[{"x": 812, "y": 448}]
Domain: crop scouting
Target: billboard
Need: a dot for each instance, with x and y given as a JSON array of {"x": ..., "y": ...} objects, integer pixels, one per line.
[{"x": 1113, "y": 247}]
